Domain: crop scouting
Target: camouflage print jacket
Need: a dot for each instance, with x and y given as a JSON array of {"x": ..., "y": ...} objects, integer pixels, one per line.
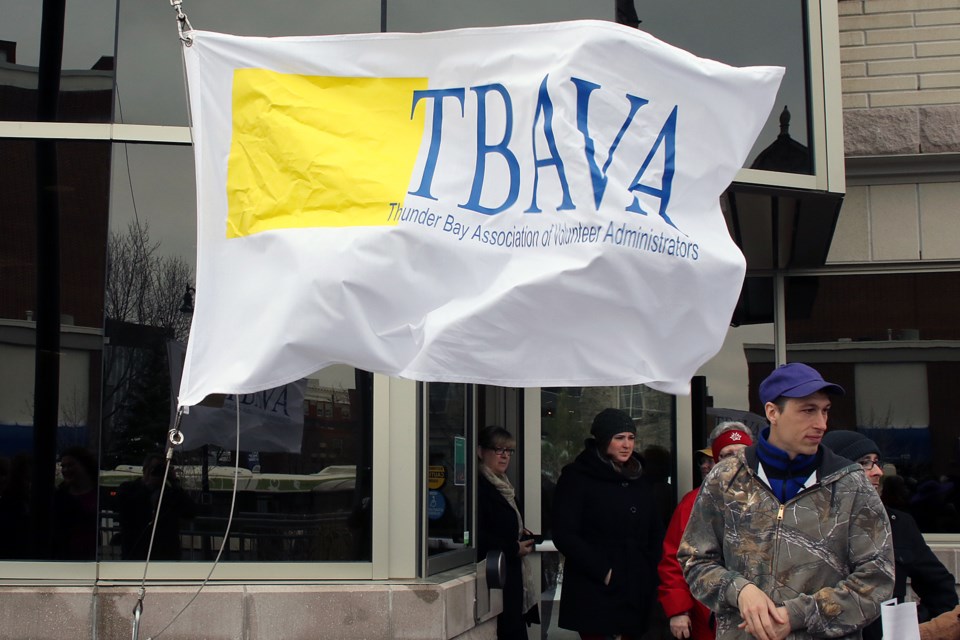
[{"x": 827, "y": 554}]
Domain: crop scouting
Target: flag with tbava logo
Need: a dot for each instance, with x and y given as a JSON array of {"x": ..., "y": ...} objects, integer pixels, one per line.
[{"x": 521, "y": 206}]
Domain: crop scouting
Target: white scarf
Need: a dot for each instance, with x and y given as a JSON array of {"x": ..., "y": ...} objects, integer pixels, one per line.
[{"x": 502, "y": 484}]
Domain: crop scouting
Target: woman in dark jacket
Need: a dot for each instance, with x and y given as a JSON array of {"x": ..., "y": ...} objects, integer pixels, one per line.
[
  {"x": 606, "y": 525},
  {"x": 500, "y": 527}
]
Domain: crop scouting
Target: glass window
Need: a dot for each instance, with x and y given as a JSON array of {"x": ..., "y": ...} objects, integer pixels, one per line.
[
  {"x": 450, "y": 460},
  {"x": 305, "y": 448},
  {"x": 60, "y": 191},
  {"x": 303, "y": 484},
  {"x": 414, "y": 16},
  {"x": 897, "y": 355},
  {"x": 86, "y": 70},
  {"x": 150, "y": 85},
  {"x": 750, "y": 32}
]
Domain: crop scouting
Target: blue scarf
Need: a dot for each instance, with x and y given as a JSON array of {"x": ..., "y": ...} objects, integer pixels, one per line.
[{"x": 786, "y": 476}]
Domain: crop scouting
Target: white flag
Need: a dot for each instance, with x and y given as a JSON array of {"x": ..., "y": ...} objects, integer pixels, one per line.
[{"x": 520, "y": 206}]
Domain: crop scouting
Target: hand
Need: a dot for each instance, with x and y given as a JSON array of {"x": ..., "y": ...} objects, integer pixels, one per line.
[
  {"x": 781, "y": 631},
  {"x": 680, "y": 626},
  {"x": 761, "y": 617},
  {"x": 526, "y": 547}
]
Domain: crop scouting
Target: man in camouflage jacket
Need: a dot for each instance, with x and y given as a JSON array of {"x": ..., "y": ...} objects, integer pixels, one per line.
[{"x": 787, "y": 539}]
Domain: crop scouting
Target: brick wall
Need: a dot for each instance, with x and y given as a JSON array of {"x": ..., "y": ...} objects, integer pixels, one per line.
[{"x": 900, "y": 76}]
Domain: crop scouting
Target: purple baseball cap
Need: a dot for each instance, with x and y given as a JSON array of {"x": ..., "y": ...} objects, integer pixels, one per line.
[{"x": 795, "y": 380}]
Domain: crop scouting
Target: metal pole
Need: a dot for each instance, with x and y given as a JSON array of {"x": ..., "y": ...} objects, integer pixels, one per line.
[{"x": 46, "y": 391}]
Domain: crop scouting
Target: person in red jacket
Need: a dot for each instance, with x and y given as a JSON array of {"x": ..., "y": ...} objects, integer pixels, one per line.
[{"x": 688, "y": 618}]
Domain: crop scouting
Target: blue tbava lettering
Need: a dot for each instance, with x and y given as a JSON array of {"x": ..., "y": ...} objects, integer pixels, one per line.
[
  {"x": 430, "y": 166},
  {"x": 545, "y": 107},
  {"x": 667, "y": 137},
  {"x": 484, "y": 149},
  {"x": 272, "y": 400},
  {"x": 598, "y": 176}
]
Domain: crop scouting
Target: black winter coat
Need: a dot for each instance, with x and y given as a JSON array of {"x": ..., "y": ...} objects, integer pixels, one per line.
[
  {"x": 498, "y": 529},
  {"x": 604, "y": 520},
  {"x": 934, "y": 585}
]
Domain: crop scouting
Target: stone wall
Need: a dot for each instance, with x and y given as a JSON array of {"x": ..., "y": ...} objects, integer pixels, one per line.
[
  {"x": 900, "y": 76},
  {"x": 417, "y": 611}
]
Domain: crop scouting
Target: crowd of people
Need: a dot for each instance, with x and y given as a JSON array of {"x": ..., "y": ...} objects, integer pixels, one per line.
[{"x": 786, "y": 537}]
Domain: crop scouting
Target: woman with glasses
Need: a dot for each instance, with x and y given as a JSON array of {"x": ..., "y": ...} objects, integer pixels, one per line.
[
  {"x": 930, "y": 580},
  {"x": 607, "y": 526},
  {"x": 500, "y": 528}
]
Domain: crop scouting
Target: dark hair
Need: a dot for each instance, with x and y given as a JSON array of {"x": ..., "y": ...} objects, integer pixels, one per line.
[
  {"x": 493, "y": 436},
  {"x": 86, "y": 459}
]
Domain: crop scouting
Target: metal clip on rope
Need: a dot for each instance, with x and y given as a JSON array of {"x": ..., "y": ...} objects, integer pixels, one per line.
[
  {"x": 175, "y": 436},
  {"x": 137, "y": 612},
  {"x": 183, "y": 23}
]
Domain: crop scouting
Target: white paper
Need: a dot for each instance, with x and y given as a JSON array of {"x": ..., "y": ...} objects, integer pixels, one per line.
[{"x": 899, "y": 620}]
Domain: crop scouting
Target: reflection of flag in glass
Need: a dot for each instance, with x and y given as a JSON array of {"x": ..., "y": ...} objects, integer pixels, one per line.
[
  {"x": 270, "y": 420},
  {"x": 520, "y": 206}
]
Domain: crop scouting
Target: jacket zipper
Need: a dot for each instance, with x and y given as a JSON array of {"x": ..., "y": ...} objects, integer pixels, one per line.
[
  {"x": 776, "y": 541},
  {"x": 780, "y": 512}
]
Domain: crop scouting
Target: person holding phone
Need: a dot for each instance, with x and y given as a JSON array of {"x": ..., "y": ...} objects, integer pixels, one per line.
[
  {"x": 607, "y": 526},
  {"x": 500, "y": 528}
]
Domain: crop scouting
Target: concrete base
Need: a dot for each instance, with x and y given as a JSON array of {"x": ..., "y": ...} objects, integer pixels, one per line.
[{"x": 415, "y": 611}]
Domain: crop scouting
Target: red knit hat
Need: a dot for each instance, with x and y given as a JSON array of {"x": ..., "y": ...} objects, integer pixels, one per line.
[{"x": 733, "y": 436}]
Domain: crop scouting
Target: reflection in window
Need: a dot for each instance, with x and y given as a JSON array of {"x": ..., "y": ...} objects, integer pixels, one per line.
[
  {"x": 898, "y": 357},
  {"x": 150, "y": 86},
  {"x": 752, "y": 32},
  {"x": 303, "y": 489},
  {"x": 450, "y": 463},
  {"x": 85, "y": 71},
  {"x": 56, "y": 518}
]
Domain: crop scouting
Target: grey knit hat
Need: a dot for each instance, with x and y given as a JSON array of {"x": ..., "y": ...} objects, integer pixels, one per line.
[
  {"x": 609, "y": 423},
  {"x": 850, "y": 444}
]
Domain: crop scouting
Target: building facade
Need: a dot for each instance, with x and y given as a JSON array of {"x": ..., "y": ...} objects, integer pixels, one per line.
[{"x": 350, "y": 503}]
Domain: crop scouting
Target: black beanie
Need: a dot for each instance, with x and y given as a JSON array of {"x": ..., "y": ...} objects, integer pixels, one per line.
[
  {"x": 850, "y": 444},
  {"x": 609, "y": 423}
]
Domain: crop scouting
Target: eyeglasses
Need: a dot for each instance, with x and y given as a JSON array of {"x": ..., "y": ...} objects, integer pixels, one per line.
[
  {"x": 501, "y": 451},
  {"x": 868, "y": 465}
]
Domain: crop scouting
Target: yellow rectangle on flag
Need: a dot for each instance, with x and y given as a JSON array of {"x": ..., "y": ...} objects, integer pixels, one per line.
[{"x": 319, "y": 151}]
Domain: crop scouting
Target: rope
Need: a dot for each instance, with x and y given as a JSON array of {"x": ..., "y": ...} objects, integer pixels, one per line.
[
  {"x": 175, "y": 436},
  {"x": 138, "y": 609}
]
